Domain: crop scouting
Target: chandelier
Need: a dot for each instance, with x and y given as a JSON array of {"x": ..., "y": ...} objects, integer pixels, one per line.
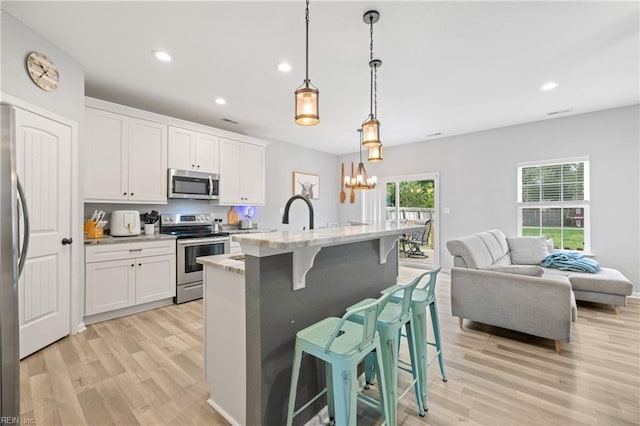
[
  {"x": 361, "y": 179},
  {"x": 307, "y": 95},
  {"x": 371, "y": 126}
]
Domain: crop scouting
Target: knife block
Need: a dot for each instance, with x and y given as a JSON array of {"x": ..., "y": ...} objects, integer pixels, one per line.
[{"x": 92, "y": 231}]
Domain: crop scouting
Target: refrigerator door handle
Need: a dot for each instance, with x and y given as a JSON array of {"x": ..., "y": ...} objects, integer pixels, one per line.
[{"x": 25, "y": 238}]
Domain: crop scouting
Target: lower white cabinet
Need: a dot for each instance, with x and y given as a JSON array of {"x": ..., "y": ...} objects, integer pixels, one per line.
[{"x": 123, "y": 275}]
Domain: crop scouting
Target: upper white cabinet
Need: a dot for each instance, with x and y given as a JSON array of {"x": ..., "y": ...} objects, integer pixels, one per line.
[
  {"x": 189, "y": 150},
  {"x": 125, "y": 159},
  {"x": 242, "y": 173}
]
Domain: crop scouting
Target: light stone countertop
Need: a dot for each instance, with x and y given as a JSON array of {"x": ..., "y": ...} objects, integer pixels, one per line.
[
  {"x": 108, "y": 239},
  {"x": 325, "y": 236},
  {"x": 229, "y": 262},
  {"x": 234, "y": 231}
]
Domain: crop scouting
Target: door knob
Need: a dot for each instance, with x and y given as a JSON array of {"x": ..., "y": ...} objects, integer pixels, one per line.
[{"x": 66, "y": 241}]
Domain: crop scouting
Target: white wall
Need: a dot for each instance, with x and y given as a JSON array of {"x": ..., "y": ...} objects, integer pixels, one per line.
[
  {"x": 478, "y": 174},
  {"x": 282, "y": 160},
  {"x": 66, "y": 101}
]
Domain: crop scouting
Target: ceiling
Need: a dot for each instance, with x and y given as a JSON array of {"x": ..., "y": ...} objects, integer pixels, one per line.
[{"x": 448, "y": 67}]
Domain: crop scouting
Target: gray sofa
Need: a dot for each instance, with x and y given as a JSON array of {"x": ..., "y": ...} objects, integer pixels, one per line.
[{"x": 487, "y": 287}]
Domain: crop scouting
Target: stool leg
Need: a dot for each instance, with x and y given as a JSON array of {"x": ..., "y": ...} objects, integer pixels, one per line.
[
  {"x": 412, "y": 339},
  {"x": 433, "y": 308},
  {"x": 389, "y": 356},
  {"x": 369, "y": 369},
  {"x": 295, "y": 373},
  {"x": 329, "y": 379},
  {"x": 419, "y": 321},
  {"x": 385, "y": 398},
  {"x": 344, "y": 395}
]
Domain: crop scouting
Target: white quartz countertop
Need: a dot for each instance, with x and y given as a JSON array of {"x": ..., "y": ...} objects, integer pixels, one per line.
[
  {"x": 283, "y": 240},
  {"x": 229, "y": 262},
  {"x": 109, "y": 239}
]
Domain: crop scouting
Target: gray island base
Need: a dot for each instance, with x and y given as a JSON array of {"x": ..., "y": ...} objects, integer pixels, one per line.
[{"x": 253, "y": 310}]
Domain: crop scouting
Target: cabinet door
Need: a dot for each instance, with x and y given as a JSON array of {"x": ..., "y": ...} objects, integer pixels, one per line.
[
  {"x": 105, "y": 165},
  {"x": 155, "y": 278},
  {"x": 110, "y": 285},
  {"x": 147, "y": 161},
  {"x": 229, "y": 172},
  {"x": 252, "y": 174},
  {"x": 181, "y": 149},
  {"x": 206, "y": 153}
]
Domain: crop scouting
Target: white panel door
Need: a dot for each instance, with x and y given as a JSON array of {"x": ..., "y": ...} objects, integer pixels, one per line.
[
  {"x": 155, "y": 278},
  {"x": 147, "y": 161},
  {"x": 43, "y": 148}
]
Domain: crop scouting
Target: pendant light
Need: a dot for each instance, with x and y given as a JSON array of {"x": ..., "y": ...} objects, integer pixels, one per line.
[
  {"x": 307, "y": 95},
  {"x": 361, "y": 179},
  {"x": 371, "y": 126},
  {"x": 375, "y": 154}
]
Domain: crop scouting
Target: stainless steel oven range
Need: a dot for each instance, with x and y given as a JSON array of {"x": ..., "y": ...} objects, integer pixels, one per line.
[{"x": 195, "y": 237}]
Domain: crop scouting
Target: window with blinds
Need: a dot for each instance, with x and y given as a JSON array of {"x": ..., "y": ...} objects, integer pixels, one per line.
[{"x": 553, "y": 200}]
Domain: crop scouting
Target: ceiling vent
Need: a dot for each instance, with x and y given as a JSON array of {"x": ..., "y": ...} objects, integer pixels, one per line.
[{"x": 228, "y": 120}]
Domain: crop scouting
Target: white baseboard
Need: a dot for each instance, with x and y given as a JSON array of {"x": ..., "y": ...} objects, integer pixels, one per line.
[
  {"x": 91, "y": 319},
  {"x": 223, "y": 413},
  {"x": 636, "y": 295},
  {"x": 79, "y": 328}
]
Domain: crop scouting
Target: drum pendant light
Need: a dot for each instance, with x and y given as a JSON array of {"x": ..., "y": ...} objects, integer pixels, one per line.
[
  {"x": 307, "y": 95},
  {"x": 371, "y": 126},
  {"x": 361, "y": 179}
]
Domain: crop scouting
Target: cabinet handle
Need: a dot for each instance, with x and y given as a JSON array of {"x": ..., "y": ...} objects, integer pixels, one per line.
[
  {"x": 132, "y": 194},
  {"x": 135, "y": 250},
  {"x": 132, "y": 265},
  {"x": 139, "y": 264},
  {"x": 124, "y": 193},
  {"x": 193, "y": 165},
  {"x": 198, "y": 165}
]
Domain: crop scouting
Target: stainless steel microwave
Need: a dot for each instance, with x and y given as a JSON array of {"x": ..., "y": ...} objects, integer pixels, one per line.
[{"x": 193, "y": 185}]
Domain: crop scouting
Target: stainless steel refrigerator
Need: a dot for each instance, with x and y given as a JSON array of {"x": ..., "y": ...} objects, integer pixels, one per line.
[{"x": 13, "y": 251}]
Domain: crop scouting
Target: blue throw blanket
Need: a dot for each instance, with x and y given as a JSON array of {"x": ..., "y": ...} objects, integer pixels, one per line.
[{"x": 568, "y": 261}]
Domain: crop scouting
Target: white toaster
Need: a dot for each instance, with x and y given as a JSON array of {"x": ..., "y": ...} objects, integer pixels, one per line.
[{"x": 125, "y": 223}]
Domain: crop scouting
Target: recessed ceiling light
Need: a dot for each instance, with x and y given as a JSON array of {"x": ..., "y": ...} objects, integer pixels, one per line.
[
  {"x": 221, "y": 101},
  {"x": 283, "y": 67},
  {"x": 162, "y": 55},
  {"x": 549, "y": 86}
]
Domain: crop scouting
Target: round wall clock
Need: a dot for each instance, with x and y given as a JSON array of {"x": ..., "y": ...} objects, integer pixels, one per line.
[{"x": 42, "y": 71}]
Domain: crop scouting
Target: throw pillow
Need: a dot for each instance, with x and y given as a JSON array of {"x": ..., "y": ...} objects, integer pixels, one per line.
[
  {"x": 527, "y": 250},
  {"x": 550, "y": 245},
  {"x": 530, "y": 270}
]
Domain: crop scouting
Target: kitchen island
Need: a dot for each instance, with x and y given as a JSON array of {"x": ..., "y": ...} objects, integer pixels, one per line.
[{"x": 255, "y": 302}]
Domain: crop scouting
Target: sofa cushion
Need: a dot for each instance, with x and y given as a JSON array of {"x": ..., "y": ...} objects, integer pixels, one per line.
[
  {"x": 472, "y": 250},
  {"x": 527, "y": 250},
  {"x": 499, "y": 254},
  {"x": 606, "y": 280},
  {"x": 530, "y": 270}
]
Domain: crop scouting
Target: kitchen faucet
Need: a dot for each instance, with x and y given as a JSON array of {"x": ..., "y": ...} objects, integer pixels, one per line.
[{"x": 285, "y": 216}]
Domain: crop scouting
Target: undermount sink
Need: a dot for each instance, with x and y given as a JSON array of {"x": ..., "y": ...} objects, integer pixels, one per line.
[{"x": 239, "y": 257}]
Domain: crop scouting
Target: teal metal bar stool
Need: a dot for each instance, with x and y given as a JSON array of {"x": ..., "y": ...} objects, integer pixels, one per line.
[
  {"x": 342, "y": 345},
  {"x": 390, "y": 322},
  {"x": 421, "y": 298}
]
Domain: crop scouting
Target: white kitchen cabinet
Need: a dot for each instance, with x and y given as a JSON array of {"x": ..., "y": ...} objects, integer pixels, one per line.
[
  {"x": 110, "y": 286},
  {"x": 125, "y": 160},
  {"x": 128, "y": 274},
  {"x": 242, "y": 172},
  {"x": 189, "y": 150}
]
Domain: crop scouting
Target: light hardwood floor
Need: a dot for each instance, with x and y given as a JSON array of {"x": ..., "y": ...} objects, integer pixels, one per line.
[{"x": 147, "y": 369}]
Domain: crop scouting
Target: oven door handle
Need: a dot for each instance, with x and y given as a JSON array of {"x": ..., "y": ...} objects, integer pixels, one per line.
[{"x": 202, "y": 241}]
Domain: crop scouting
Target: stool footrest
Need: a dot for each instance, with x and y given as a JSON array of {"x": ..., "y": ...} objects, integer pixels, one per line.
[
  {"x": 370, "y": 401},
  {"x": 311, "y": 401}
]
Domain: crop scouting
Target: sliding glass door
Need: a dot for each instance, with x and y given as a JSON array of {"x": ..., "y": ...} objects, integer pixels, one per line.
[{"x": 410, "y": 200}]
